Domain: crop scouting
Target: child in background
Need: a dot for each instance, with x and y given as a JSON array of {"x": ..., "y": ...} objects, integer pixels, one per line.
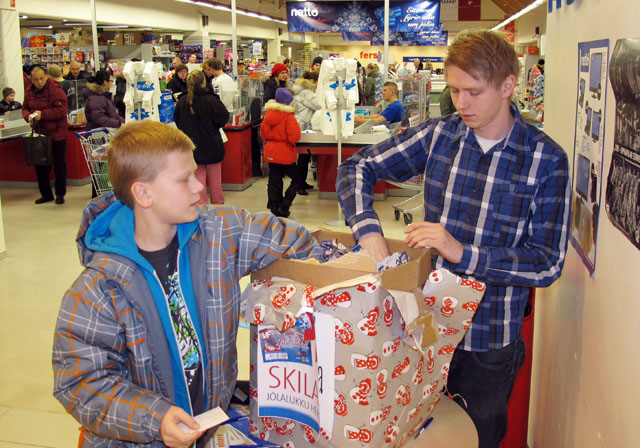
[
  {"x": 280, "y": 132},
  {"x": 9, "y": 102},
  {"x": 146, "y": 336}
]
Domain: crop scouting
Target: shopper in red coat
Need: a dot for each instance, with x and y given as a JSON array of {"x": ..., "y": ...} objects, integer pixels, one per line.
[
  {"x": 46, "y": 99},
  {"x": 280, "y": 132}
]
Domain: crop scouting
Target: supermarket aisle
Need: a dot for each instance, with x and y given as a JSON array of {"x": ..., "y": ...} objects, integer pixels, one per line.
[{"x": 41, "y": 262}]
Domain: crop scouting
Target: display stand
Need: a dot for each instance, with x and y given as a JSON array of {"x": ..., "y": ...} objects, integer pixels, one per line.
[{"x": 340, "y": 75}]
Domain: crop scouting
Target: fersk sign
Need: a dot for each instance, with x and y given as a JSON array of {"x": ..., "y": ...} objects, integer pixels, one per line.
[{"x": 558, "y": 4}]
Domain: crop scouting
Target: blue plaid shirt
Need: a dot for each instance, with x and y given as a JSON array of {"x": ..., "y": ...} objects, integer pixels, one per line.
[{"x": 509, "y": 208}]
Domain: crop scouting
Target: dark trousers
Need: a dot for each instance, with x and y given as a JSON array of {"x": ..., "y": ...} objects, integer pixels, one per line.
[
  {"x": 275, "y": 186},
  {"x": 485, "y": 381},
  {"x": 59, "y": 149},
  {"x": 303, "y": 168}
]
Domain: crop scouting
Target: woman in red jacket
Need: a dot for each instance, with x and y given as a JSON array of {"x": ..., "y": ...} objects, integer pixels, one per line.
[
  {"x": 280, "y": 132},
  {"x": 46, "y": 99}
]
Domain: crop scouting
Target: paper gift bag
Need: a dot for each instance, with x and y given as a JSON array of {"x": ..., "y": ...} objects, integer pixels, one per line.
[{"x": 385, "y": 374}]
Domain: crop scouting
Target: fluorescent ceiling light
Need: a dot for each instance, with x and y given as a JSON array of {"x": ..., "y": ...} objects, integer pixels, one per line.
[
  {"x": 113, "y": 26},
  {"x": 520, "y": 13},
  {"x": 238, "y": 11},
  {"x": 24, "y": 17},
  {"x": 48, "y": 27}
]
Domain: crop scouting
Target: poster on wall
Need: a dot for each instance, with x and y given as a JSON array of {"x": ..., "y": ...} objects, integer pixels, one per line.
[
  {"x": 589, "y": 148},
  {"x": 623, "y": 183}
]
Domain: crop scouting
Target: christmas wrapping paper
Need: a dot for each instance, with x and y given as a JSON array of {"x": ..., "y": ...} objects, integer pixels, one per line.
[{"x": 385, "y": 383}]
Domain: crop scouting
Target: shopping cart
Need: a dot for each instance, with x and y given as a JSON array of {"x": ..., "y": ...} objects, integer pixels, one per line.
[
  {"x": 94, "y": 145},
  {"x": 412, "y": 205}
]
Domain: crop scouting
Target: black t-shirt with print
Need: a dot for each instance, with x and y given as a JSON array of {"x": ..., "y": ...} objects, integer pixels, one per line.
[{"x": 165, "y": 263}]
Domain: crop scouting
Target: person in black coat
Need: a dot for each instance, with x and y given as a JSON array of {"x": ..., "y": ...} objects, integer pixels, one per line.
[
  {"x": 9, "y": 102},
  {"x": 178, "y": 83},
  {"x": 278, "y": 79},
  {"x": 200, "y": 114}
]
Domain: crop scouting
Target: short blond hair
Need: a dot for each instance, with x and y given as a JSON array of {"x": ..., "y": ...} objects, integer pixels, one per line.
[
  {"x": 483, "y": 54},
  {"x": 54, "y": 71},
  {"x": 138, "y": 152}
]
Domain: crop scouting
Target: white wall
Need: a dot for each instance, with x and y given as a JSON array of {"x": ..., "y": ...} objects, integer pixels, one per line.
[{"x": 585, "y": 391}]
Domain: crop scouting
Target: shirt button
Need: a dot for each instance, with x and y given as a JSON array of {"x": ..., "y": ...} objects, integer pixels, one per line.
[{"x": 475, "y": 190}]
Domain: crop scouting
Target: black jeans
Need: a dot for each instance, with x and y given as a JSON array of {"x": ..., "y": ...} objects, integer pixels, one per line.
[
  {"x": 275, "y": 186},
  {"x": 303, "y": 168},
  {"x": 485, "y": 381},
  {"x": 59, "y": 149}
]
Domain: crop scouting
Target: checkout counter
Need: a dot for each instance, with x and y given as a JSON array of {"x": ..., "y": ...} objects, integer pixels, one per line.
[
  {"x": 325, "y": 147},
  {"x": 14, "y": 172}
]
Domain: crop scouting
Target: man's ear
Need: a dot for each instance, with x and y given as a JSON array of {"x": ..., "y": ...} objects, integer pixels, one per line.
[
  {"x": 141, "y": 194},
  {"x": 508, "y": 85}
]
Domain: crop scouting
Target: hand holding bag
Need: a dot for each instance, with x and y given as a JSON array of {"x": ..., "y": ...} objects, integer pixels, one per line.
[{"x": 37, "y": 149}]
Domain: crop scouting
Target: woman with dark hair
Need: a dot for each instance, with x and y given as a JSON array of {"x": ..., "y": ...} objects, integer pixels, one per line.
[
  {"x": 178, "y": 83},
  {"x": 200, "y": 114},
  {"x": 278, "y": 79},
  {"x": 99, "y": 109}
]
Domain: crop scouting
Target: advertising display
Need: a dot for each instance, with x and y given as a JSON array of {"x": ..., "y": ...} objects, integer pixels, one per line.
[
  {"x": 623, "y": 183},
  {"x": 589, "y": 148},
  {"x": 361, "y": 20}
]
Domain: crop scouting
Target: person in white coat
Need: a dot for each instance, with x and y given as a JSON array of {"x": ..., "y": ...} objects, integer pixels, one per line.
[
  {"x": 223, "y": 86},
  {"x": 305, "y": 105}
]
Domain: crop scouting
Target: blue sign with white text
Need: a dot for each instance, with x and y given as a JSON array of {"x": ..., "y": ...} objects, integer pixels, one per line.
[{"x": 357, "y": 18}]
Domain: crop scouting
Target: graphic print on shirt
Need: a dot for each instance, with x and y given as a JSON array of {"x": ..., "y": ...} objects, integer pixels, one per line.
[{"x": 183, "y": 327}]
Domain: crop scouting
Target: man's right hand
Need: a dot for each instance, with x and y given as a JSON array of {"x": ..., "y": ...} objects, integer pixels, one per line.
[
  {"x": 375, "y": 245},
  {"x": 171, "y": 433}
]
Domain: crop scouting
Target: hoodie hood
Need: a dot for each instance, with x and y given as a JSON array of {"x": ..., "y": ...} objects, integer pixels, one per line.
[
  {"x": 302, "y": 84},
  {"x": 107, "y": 226},
  {"x": 274, "y": 105},
  {"x": 91, "y": 88}
]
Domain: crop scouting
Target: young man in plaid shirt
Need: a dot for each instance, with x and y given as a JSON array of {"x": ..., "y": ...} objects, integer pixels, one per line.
[{"x": 497, "y": 206}]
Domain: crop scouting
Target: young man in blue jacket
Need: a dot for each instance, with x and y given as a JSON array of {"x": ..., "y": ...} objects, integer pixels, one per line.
[
  {"x": 497, "y": 205},
  {"x": 146, "y": 336}
]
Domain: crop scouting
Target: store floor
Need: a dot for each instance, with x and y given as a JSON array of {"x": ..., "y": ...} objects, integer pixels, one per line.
[{"x": 41, "y": 261}]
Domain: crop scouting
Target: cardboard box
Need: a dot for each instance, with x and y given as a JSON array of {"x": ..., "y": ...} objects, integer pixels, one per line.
[
  {"x": 382, "y": 386},
  {"x": 403, "y": 278}
]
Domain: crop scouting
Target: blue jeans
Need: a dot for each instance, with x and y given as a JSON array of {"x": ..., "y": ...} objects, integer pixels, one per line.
[{"x": 485, "y": 380}]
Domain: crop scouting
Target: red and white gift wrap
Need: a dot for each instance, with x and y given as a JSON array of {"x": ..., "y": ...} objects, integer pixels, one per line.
[{"x": 385, "y": 389}]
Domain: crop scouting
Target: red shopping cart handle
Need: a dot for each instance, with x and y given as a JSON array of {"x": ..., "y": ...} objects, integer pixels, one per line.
[{"x": 79, "y": 135}]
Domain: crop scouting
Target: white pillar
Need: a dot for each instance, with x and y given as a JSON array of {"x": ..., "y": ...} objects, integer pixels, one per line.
[
  {"x": 10, "y": 51},
  {"x": 234, "y": 41}
]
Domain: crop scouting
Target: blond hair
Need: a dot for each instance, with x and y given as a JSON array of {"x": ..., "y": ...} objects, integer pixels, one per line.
[
  {"x": 137, "y": 154},
  {"x": 195, "y": 79},
  {"x": 54, "y": 71},
  {"x": 483, "y": 54}
]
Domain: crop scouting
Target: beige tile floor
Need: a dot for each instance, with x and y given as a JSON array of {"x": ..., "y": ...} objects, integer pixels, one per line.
[{"x": 40, "y": 263}]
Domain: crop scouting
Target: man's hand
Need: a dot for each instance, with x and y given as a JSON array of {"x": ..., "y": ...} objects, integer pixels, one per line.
[
  {"x": 172, "y": 435},
  {"x": 37, "y": 116},
  {"x": 429, "y": 234},
  {"x": 375, "y": 245}
]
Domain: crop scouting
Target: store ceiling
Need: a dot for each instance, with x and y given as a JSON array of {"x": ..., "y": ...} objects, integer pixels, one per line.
[
  {"x": 511, "y": 7},
  {"x": 271, "y": 8}
]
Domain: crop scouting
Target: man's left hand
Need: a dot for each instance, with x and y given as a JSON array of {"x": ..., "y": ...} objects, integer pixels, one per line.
[{"x": 430, "y": 234}]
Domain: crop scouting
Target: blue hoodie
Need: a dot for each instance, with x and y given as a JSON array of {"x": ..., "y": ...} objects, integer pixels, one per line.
[{"x": 113, "y": 232}]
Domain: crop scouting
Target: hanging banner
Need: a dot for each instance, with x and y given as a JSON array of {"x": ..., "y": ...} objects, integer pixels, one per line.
[
  {"x": 421, "y": 39},
  {"x": 362, "y": 17},
  {"x": 623, "y": 183},
  {"x": 331, "y": 17},
  {"x": 411, "y": 16},
  {"x": 589, "y": 148}
]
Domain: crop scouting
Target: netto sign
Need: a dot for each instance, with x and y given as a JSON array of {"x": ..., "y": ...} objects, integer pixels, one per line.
[{"x": 305, "y": 12}]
